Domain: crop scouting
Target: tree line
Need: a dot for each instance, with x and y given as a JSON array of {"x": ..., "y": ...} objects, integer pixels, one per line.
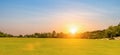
[{"x": 110, "y": 32}]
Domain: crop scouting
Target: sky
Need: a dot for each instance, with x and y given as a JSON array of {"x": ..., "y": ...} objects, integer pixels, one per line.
[{"x": 30, "y": 16}]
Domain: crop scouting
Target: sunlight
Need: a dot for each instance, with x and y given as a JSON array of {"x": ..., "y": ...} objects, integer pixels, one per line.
[{"x": 73, "y": 30}]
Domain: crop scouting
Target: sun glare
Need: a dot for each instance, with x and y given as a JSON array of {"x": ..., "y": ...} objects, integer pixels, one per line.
[{"x": 73, "y": 30}]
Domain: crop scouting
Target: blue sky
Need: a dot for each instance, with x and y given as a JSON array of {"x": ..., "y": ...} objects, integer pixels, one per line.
[{"x": 30, "y": 16}]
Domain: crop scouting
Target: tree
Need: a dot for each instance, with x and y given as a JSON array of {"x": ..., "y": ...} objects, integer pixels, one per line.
[
  {"x": 54, "y": 34},
  {"x": 20, "y": 36},
  {"x": 110, "y": 32},
  {"x": 37, "y": 35},
  {"x": 60, "y": 35}
]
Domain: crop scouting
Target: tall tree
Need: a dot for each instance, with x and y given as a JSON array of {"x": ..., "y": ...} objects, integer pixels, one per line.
[{"x": 54, "y": 34}]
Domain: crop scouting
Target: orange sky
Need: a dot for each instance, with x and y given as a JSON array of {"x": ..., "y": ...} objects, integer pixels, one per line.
[{"x": 27, "y": 17}]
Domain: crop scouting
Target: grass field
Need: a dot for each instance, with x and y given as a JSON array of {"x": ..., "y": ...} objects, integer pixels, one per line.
[{"x": 22, "y": 46}]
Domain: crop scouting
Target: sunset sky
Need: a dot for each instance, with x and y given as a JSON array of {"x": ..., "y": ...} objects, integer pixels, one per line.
[{"x": 30, "y": 16}]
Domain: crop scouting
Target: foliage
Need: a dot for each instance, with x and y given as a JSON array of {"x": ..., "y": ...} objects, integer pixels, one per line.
[
  {"x": 110, "y": 32},
  {"x": 5, "y": 35}
]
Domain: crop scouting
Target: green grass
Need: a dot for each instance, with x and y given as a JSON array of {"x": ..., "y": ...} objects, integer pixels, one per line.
[{"x": 29, "y": 46}]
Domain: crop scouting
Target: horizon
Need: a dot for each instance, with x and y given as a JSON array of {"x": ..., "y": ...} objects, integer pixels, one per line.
[{"x": 31, "y": 16}]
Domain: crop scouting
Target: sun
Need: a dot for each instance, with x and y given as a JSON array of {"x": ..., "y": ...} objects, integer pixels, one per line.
[{"x": 73, "y": 30}]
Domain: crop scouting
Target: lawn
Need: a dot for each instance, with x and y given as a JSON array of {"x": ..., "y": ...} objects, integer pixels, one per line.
[{"x": 34, "y": 46}]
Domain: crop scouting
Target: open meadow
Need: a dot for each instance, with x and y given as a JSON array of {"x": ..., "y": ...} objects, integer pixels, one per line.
[{"x": 47, "y": 46}]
